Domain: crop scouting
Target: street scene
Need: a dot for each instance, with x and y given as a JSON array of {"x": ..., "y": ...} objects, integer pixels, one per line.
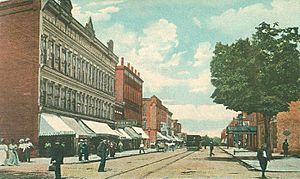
[{"x": 149, "y": 89}]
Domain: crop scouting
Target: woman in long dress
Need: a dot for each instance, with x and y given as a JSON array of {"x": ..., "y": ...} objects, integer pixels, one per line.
[
  {"x": 13, "y": 158},
  {"x": 3, "y": 152}
]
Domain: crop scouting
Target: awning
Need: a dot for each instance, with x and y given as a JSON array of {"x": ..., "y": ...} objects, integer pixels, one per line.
[
  {"x": 141, "y": 131},
  {"x": 125, "y": 135},
  {"x": 171, "y": 138},
  {"x": 52, "y": 125},
  {"x": 177, "y": 139},
  {"x": 79, "y": 130},
  {"x": 132, "y": 133},
  {"x": 159, "y": 136},
  {"x": 100, "y": 128}
]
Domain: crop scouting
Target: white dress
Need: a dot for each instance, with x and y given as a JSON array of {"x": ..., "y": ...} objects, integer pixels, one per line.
[{"x": 3, "y": 154}]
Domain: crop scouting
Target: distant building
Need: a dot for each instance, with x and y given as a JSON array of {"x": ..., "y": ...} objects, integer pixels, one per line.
[
  {"x": 129, "y": 93},
  {"x": 52, "y": 67},
  {"x": 176, "y": 127},
  {"x": 155, "y": 114}
]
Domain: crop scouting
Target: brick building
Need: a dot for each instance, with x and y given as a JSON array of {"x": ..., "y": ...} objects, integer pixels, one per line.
[
  {"x": 289, "y": 121},
  {"x": 129, "y": 92},
  {"x": 154, "y": 114},
  {"x": 51, "y": 67},
  {"x": 175, "y": 127}
]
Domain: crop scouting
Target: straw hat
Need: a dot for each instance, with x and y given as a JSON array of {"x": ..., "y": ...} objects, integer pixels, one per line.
[
  {"x": 27, "y": 139},
  {"x": 21, "y": 140}
]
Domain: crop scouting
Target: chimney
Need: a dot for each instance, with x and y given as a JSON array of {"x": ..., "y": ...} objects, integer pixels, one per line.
[
  {"x": 128, "y": 65},
  {"x": 139, "y": 74},
  {"x": 122, "y": 61}
]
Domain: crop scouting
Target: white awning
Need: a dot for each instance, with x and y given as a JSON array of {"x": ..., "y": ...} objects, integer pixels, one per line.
[
  {"x": 52, "y": 125},
  {"x": 79, "y": 129},
  {"x": 100, "y": 128},
  {"x": 141, "y": 131},
  {"x": 177, "y": 138},
  {"x": 124, "y": 134},
  {"x": 159, "y": 136}
]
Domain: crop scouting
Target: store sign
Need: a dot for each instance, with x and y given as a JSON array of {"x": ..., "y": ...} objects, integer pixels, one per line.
[
  {"x": 122, "y": 124},
  {"x": 241, "y": 129}
]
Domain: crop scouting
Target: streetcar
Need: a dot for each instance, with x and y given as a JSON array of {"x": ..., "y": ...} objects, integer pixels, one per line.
[{"x": 193, "y": 142}]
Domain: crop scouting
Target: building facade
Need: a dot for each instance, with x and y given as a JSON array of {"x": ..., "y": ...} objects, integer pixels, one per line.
[
  {"x": 61, "y": 68},
  {"x": 155, "y": 114},
  {"x": 129, "y": 92}
]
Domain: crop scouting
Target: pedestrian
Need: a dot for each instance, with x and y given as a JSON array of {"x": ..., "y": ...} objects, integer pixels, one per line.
[
  {"x": 47, "y": 148},
  {"x": 3, "y": 152},
  {"x": 211, "y": 148},
  {"x": 263, "y": 158},
  {"x": 57, "y": 157},
  {"x": 112, "y": 149},
  {"x": 102, "y": 153},
  {"x": 85, "y": 150},
  {"x": 80, "y": 149},
  {"x": 21, "y": 150},
  {"x": 285, "y": 147},
  {"x": 142, "y": 146},
  {"x": 120, "y": 146},
  {"x": 28, "y": 149},
  {"x": 13, "y": 158},
  {"x": 239, "y": 144}
]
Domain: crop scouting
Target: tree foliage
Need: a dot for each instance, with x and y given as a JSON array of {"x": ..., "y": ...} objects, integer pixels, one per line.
[{"x": 258, "y": 74}]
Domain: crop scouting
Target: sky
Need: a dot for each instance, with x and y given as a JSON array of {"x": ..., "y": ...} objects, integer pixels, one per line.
[{"x": 171, "y": 43}]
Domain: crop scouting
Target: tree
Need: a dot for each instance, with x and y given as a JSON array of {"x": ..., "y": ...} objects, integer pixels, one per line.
[{"x": 259, "y": 74}]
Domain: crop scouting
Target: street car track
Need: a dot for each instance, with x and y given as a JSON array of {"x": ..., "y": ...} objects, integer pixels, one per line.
[{"x": 180, "y": 156}]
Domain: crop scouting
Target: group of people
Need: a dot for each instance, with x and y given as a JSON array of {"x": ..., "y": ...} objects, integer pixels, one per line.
[{"x": 13, "y": 153}]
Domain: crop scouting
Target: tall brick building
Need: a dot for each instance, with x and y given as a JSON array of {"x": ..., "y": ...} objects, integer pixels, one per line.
[
  {"x": 129, "y": 92},
  {"x": 154, "y": 113},
  {"x": 51, "y": 64}
]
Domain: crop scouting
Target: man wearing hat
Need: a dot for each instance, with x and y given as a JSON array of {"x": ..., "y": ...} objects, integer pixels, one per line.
[
  {"x": 57, "y": 157},
  {"x": 28, "y": 149},
  {"x": 21, "y": 150},
  {"x": 80, "y": 149},
  {"x": 102, "y": 152}
]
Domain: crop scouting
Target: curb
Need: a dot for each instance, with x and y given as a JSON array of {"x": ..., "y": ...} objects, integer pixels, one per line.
[
  {"x": 97, "y": 160},
  {"x": 245, "y": 164}
]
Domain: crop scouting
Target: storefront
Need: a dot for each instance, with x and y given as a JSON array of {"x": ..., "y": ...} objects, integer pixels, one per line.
[
  {"x": 136, "y": 138},
  {"x": 144, "y": 136},
  {"x": 52, "y": 128}
]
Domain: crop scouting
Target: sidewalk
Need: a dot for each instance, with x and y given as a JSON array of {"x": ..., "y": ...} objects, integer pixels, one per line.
[
  {"x": 93, "y": 157},
  {"x": 278, "y": 164}
]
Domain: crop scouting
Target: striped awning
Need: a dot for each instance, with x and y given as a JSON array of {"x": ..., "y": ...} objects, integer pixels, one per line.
[
  {"x": 159, "y": 136},
  {"x": 79, "y": 129},
  {"x": 132, "y": 133},
  {"x": 100, "y": 128},
  {"x": 141, "y": 131},
  {"x": 52, "y": 125}
]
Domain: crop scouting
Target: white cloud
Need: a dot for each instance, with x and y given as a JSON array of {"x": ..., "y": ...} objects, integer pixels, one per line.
[
  {"x": 215, "y": 112},
  {"x": 203, "y": 53},
  {"x": 157, "y": 40},
  {"x": 175, "y": 60},
  {"x": 184, "y": 72},
  {"x": 197, "y": 22},
  {"x": 201, "y": 83},
  {"x": 100, "y": 15},
  {"x": 241, "y": 22}
]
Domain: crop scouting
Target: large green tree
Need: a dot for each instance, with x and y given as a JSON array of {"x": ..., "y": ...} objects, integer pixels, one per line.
[{"x": 258, "y": 74}]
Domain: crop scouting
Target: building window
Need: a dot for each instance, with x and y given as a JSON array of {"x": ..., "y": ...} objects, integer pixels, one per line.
[
  {"x": 63, "y": 98},
  {"x": 56, "y": 96},
  {"x": 50, "y": 61},
  {"x": 57, "y": 57},
  {"x": 43, "y": 92},
  {"x": 79, "y": 102},
  {"x": 44, "y": 49},
  {"x": 63, "y": 62},
  {"x": 74, "y": 72},
  {"x": 49, "y": 93},
  {"x": 78, "y": 67}
]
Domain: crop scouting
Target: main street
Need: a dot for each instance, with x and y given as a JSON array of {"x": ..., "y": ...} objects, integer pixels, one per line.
[{"x": 178, "y": 164}]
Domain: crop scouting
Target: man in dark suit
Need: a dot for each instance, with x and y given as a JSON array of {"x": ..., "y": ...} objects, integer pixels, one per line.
[
  {"x": 263, "y": 158},
  {"x": 285, "y": 147},
  {"x": 102, "y": 152},
  {"x": 57, "y": 157}
]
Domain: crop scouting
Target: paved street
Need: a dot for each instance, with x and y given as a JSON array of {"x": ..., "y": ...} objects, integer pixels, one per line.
[{"x": 178, "y": 164}]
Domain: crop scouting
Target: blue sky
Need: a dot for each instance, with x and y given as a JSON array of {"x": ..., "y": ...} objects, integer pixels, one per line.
[{"x": 171, "y": 43}]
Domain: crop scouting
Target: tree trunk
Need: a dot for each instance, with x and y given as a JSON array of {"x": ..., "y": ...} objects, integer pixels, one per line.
[{"x": 267, "y": 140}]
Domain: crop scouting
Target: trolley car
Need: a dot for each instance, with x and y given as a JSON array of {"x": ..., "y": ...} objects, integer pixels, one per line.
[{"x": 193, "y": 142}]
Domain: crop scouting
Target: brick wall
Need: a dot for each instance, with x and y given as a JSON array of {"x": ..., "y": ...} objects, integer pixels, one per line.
[
  {"x": 19, "y": 69},
  {"x": 289, "y": 121}
]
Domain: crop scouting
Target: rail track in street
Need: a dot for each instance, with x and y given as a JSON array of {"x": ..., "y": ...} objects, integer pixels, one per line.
[{"x": 161, "y": 163}]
